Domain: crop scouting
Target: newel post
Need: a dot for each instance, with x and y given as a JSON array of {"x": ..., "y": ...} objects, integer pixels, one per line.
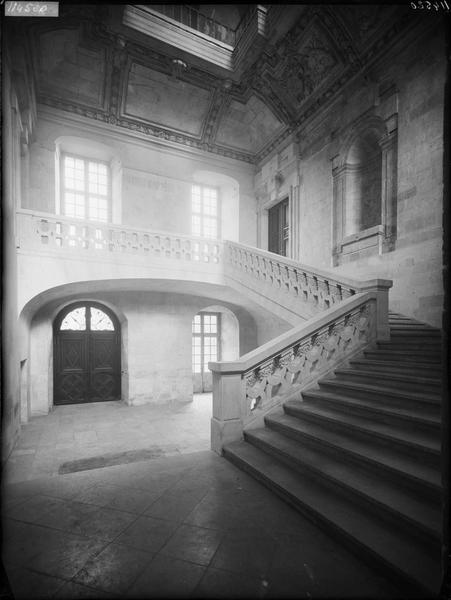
[
  {"x": 226, "y": 422},
  {"x": 380, "y": 287}
]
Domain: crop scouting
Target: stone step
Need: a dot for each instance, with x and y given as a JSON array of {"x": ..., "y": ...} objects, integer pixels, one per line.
[
  {"x": 411, "y": 343},
  {"x": 423, "y": 446},
  {"x": 362, "y": 390},
  {"x": 386, "y": 353},
  {"x": 426, "y": 419},
  {"x": 383, "y": 459},
  {"x": 407, "y": 329},
  {"x": 386, "y": 366},
  {"x": 361, "y": 531},
  {"x": 390, "y": 501},
  {"x": 414, "y": 382}
]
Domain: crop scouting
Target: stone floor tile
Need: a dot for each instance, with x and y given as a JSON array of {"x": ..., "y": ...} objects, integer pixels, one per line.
[
  {"x": 211, "y": 512},
  {"x": 132, "y": 500},
  {"x": 89, "y": 520},
  {"x": 244, "y": 553},
  {"x": 217, "y": 583},
  {"x": 147, "y": 533},
  {"x": 99, "y": 495},
  {"x": 76, "y": 591},
  {"x": 167, "y": 577},
  {"x": 26, "y": 584},
  {"x": 56, "y": 553},
  {"x": 34, "y": 508},
  {"x": 194, "y": 544},
  {"x": 67, "y": 516},
  {"x": 175, "y": 504},
  {"x": 114, "y": 569}
]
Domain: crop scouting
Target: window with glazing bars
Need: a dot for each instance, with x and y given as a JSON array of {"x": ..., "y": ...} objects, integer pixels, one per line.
[
  {"x": 205, "y": 211},
  {"x": 85, "y": 188},
  {"x": 205, "y": 340}
]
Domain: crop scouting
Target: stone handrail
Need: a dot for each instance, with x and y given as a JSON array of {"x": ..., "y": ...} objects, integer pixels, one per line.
[
  {"x": 301, "y": 288},
  {"x": 246, "y": 389},
  {"x": 54, "y": 232}
]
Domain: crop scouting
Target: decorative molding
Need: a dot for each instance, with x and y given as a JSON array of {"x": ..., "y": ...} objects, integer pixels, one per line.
[{"x": 156, "y": 133}]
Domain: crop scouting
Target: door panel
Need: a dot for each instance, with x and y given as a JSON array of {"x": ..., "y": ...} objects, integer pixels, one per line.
[
  {"x": 103, "y": 368},
  {"x": 87, "y": 363},
  {"x": 71, "y": 384}
]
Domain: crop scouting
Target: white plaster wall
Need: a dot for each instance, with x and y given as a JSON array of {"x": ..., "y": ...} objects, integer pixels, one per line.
[
  {"x": 155, "y": 344},
  {"x": 156, "y": 181}
]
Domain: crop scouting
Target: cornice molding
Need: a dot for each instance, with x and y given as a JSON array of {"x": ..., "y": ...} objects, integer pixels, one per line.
[{"x": 102, "y": 126}]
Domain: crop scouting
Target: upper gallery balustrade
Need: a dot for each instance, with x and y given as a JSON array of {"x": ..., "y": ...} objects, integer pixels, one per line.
[
  {"x": 286, "y": 287},
  {"x": 60, "y": 234}
]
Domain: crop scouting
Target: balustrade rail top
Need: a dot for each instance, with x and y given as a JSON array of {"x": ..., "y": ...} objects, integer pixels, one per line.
[
  {"x": 285, "y": 340},
  {"x": 328, "y": 275},
  {"x": 52, "y": 217},
  {"x": 209, "y": 38}
]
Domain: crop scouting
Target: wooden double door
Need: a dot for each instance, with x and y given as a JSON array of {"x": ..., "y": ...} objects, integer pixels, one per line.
[{"x": 86, "y": 355}]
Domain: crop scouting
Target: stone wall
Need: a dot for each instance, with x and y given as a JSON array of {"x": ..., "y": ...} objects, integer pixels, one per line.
[
  {"x": 13, "y": 369},
  {"x": 406, "y": 93}
]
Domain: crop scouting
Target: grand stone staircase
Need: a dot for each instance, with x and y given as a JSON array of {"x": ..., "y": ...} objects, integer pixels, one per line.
[{"x": 360, "y": 454}]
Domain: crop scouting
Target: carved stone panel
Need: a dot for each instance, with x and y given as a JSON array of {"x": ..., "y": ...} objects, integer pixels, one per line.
[{"x": 307, "y": 61}]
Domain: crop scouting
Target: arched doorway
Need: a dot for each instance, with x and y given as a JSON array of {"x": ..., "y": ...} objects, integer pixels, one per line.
[{"x": 86, "y": 354}]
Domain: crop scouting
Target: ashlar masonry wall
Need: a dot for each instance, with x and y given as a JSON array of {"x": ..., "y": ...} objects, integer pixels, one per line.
[{"x": 405, "y": 92}]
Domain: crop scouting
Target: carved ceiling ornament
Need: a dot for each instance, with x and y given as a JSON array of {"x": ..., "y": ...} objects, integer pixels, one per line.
[
  {"x": 294, "y": 77},
  {"x": 306, "y": 64}
]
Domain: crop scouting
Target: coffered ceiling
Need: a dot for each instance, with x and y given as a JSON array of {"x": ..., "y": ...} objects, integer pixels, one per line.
[{"x": 89, "y": 62}]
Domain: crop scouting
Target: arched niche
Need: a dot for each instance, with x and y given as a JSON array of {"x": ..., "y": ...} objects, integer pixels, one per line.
[
  {"x": 364, "y": 189},
  {"x": 363, "y": 183}
]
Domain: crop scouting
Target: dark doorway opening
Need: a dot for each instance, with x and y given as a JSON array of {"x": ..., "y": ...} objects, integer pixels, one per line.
[{"x": 278, "y": 228}]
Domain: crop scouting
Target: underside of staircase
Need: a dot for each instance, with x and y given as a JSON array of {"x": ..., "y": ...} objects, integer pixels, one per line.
[{"x": 360, "y": 455}]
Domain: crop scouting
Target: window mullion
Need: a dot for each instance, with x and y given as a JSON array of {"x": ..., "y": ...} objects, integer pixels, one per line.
[
  {"x": 87, "y": 213},
  {"x": 202, "y": 343}
]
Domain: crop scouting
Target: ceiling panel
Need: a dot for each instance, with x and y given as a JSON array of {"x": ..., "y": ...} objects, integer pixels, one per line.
[
  {"x": 164, "y": 100},
  {"x": 71, "y": 70},
  {"x": 248, "y": 126}
]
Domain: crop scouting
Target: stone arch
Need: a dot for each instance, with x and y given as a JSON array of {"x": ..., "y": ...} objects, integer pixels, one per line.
[{"x": 37, "y": 318}]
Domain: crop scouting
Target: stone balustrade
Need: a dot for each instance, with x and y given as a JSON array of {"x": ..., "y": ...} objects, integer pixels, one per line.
[
  {"x": 55, "y": 233},
  {"x": 286, "y": 281},
  {"x": 247, "y": 389}
]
